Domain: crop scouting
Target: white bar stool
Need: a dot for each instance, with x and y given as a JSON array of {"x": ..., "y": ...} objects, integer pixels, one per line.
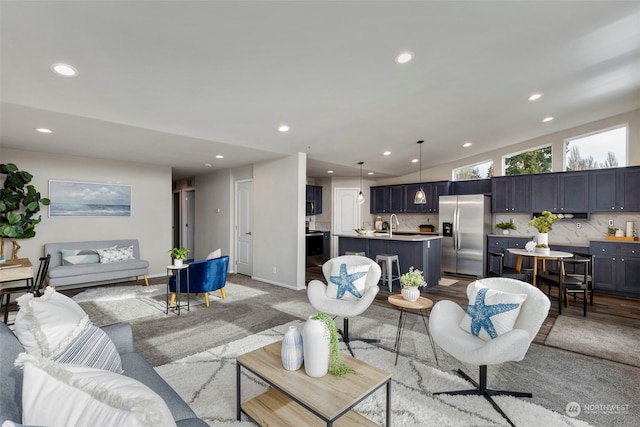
[{"x": 386, "y": 265}]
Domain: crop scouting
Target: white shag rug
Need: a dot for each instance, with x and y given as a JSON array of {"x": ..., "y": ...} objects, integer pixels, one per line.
[{"x": 207, "y": 382}]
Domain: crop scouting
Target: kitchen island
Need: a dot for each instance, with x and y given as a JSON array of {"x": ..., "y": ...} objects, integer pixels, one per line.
[{"x": 422, "y": 251}]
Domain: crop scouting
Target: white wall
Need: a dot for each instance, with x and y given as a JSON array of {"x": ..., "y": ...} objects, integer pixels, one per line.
[
  {"x": 214, "y": 213},
  {"x": 150, "y": 220},
  {"x": 279, "y": 195},
  {"x": 443, "y": 172}
]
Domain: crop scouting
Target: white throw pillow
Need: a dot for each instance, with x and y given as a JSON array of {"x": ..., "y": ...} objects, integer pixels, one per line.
[
  {"x": 55, "y": 394},
  {"x": 81, "y": 256},
  {"x": 56, "y": 327},
  {"x": 491, "y": 313},
  {"x": 113, "y": 255},
  {"x": 347, "y": 282}
]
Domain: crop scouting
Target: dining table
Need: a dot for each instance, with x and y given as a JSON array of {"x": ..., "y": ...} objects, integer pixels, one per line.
[{"x": 536, "y": 257}]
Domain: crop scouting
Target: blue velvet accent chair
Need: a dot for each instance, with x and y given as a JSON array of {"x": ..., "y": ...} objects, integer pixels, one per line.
[{"x": 204, "y": 276}]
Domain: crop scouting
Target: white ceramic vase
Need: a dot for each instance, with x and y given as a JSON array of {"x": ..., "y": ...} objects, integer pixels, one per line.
[
  {"x": 177, "y": 262},
  {"x": 292, "y": 353},
  {"x": 543, "y": 251},
  {"x": 315, "y": 345},
  {"x": 410, "y": 294},
  {"x": 505, "y": 232},
  {"x": 543, "y": 238}
]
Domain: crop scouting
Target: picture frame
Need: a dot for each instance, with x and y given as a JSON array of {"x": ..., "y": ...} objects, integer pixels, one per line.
[{"x": 89, "y": 199}]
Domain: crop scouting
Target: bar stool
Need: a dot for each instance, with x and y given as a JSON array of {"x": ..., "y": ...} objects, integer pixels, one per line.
[
  {"x": 386, "y": 264},
  {"x": 354, "y": 253}
]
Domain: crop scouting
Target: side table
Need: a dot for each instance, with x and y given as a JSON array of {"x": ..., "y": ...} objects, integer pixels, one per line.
[
  {"x": 175, "y": 270},
  {"x": 422, "y": 304}
]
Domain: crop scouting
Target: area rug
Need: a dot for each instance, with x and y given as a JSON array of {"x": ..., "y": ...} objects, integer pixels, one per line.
[
  {"x": 207, "y": 382},
  {"x": 583, "y": 335}
]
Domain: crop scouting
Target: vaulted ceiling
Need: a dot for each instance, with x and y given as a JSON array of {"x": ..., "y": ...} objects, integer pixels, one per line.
[{"x": 178, "y": 82}]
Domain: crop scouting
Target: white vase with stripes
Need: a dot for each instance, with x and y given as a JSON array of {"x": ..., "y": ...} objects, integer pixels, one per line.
[{"x": 292, "y": 352}]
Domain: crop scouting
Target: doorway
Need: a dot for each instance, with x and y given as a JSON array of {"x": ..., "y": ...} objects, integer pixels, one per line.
[
  {"x": 184, "y": 220},
  {"x": 244, "y": 227}
]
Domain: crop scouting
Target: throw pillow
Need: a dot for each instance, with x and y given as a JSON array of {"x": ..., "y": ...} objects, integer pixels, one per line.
[
  {"x": 81, "y": 256},
  {"x": 491, "y": 313},
  {"x": 54, "y": 326},
  {"x": 113, "y": 255},
  {"x": 347, "y": 282},
  {"x": 69, "y": 395}
]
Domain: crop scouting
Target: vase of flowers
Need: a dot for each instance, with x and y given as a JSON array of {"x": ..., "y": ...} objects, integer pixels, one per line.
[
  {"x": 544, "y": 224},
  {"x": 179, "y": 255},
  {"x": 411, "y": 281}
]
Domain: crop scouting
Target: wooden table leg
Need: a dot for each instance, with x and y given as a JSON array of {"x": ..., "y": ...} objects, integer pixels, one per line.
[{"x": 519, "y": 263}]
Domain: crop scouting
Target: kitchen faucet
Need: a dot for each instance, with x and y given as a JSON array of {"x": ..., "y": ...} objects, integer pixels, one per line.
[{"x": 391, "y": 223}]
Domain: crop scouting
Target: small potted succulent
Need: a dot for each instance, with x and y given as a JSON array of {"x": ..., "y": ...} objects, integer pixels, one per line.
[
  {"x": 505, "y": 226},
  {"x": 179, "y": 255},
  {"x": 411, "y": 281},
  {"x": 543, "y": 249}
]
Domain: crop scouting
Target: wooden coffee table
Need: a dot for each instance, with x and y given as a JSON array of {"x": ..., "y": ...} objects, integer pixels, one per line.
[{"x": 296, "y": 399}]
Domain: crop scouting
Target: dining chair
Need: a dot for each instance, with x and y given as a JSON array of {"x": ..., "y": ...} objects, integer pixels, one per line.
[
  {"x": 568, "y": 280},
  {"x": 496, "y": 268},
  {"x": 580, "y": 271}
]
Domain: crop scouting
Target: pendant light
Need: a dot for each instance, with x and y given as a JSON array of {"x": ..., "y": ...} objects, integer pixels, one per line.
[
  {"x": 420, "y": 198},
  {"x": 360, "y": 195}
]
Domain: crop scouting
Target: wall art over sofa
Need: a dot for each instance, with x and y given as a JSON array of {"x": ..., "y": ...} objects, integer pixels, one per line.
[{"x": 71, "y": 198}]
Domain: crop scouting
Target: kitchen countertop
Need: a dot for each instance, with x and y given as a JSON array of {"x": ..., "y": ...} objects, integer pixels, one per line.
[{"x": 417, "y": 237}]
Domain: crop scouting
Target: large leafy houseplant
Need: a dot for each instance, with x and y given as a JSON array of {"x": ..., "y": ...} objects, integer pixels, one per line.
[
  {"x": 19, "y": 204},
  {"x": 544, "y": 222}
]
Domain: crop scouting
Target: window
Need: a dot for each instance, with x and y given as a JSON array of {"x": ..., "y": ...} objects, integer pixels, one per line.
[
  {"x": 476, "y": 171},
  {"x": 602, "y": 149},
  {"x": 533, "y": 161}
]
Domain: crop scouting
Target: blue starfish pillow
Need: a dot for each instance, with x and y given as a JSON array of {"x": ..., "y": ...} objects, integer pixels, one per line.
[
  {"x": 491, "y": 313},
  {"x": 347, "y": 281}
]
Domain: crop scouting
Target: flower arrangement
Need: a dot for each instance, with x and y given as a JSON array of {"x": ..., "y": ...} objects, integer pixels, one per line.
[
  {"x": 336, "y": 367},
  {"x": 544, "y": 222},
  {"x": 507, "y": 225},
  {"x": 179, "y": 253},
  {"x": 413, "y": 279},
  {"x": 541, "y": 245}
]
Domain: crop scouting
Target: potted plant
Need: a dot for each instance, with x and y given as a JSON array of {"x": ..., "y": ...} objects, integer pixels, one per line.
[
  {"x": 543, "y": 249},
  {"x": 179, "y": 255},
  {"x": 544, "y": 224},
  {"x": 19, "y": 203},
  {"x": 505, "y": 226},
  {"x": 411, "y": 281}
]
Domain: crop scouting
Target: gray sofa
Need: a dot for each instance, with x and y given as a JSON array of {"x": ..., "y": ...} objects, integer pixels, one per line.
[
  {"x": 80, "y": 275},
  {"x": 134, "y": 365}
]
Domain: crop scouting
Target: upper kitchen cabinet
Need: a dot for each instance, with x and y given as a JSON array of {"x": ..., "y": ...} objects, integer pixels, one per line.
[
  {"x": 379, "y": 199},
  {"x": 615, "y": 190},
  {"x": 471, "y": 186},
  {"x": 511, "y": 194},
  {"x": 560, "y": 192},
  {"x": 314, "y": 195},
  {"x": 397, "y": 198}
]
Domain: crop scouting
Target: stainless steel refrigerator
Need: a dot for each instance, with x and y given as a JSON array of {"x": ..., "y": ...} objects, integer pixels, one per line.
[{"x": 466, "y": 221}]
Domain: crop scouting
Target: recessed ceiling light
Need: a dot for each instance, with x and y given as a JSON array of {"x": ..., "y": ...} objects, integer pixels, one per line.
[
  {"x": 535, "y": 96},
  {"x": 467, "y": 144},
  {"x": 44, "y": 130},
  {"x": 207, "y": 165},
  {"x": 404, "y": 57},
  {"x": 547, "y": 119},
  {"x": 219, "y": 156},
  {"x": 386, "y": 153},
  {"x": 329, "y": 171},
  {"x": 415, "y": 160},
  {"x": 283, "y": 128},
  {"x": 64, "y": 69},
  {"x": 369, "y": 173}
]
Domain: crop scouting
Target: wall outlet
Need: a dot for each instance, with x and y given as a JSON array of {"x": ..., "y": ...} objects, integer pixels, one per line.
[
  {"x": 610, "y": 223},
  {"x": 275, "y": 271},
  {"x": 578, "y": 225}
]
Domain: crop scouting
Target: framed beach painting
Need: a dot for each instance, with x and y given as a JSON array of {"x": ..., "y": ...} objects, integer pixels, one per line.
[{"x": 71, "y": 198}]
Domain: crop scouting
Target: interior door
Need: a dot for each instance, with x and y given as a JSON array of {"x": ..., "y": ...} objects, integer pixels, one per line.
[
  {"x": 189, "y": 221},
  {"x": 346, "y": 214},
  {"x": 244, "y": 227}
]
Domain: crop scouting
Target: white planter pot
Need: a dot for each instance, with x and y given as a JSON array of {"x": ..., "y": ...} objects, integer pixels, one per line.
[
  {"x": 410, "y": 294},
  {"x": 292, "y": 353},
  {"x": 543, "y": 251},
  {"x": 543, "y": 239},
  {"x": 177, "y": 262},
  {"x": 315, "y": 345},
  {"x": 505, "y": 232}
]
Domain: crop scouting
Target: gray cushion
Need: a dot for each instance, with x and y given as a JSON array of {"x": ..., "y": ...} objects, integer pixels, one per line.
[{"x": 10, "y": 376}]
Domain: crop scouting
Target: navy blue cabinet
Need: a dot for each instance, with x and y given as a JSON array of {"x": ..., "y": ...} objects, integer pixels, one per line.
[
  {"x": 399, "y": 198},
  {"x": 614, "y": 190},
  {"x": 511, "y": 194},
  {"x": 560, "y": 192},
  {"x": 616, "y": 268},
  {"x": 379, "y": 199},
  {"x": 314, "y": 194}
]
